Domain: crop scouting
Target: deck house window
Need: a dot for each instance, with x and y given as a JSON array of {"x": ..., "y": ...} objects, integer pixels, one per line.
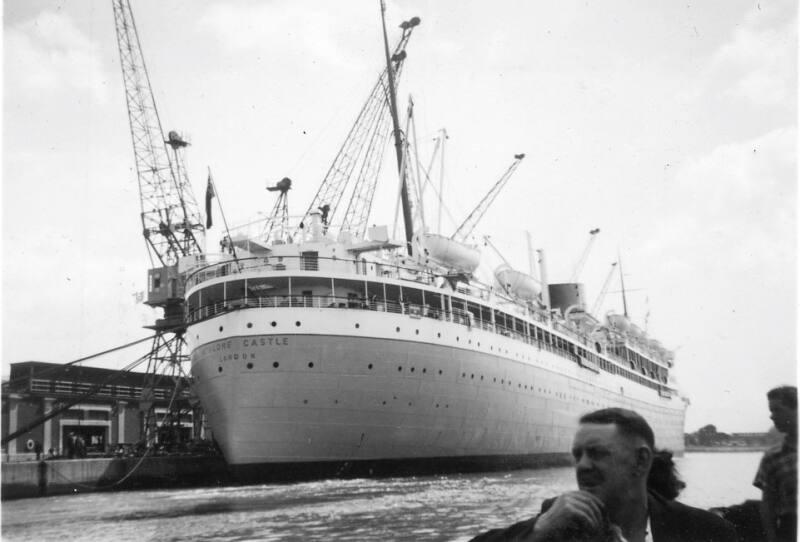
[{"x": 309, "y": 260}]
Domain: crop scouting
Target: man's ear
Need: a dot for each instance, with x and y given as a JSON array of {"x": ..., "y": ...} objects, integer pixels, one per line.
[{"x": 644, "y": 459}]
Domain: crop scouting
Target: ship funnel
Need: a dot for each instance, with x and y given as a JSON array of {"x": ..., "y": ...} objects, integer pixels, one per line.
[{"x": 565, "y": 295}]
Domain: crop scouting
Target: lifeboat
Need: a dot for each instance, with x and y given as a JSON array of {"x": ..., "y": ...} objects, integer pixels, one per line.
[
  {"x": 618, "y": 322},
  {"x": 448, "y": 253},
  {"x": 516, "y": 283}
]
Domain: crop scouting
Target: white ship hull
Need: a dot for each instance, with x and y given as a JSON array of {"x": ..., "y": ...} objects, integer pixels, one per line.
[{"x": 328, "y": 385}]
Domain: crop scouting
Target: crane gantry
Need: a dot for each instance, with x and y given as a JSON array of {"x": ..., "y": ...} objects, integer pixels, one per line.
[{"x": 172, "y": 224}]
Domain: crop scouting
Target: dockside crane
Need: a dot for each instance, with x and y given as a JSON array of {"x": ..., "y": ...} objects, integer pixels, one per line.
[
  {"x": 604, "y": 290},
  {"x": 172, "y": 224},
  {"x": 468, "y": 226},
  {"x": 361, "y": 154},
  {"x": 576, "y": 271},
  {"x": 279, "y": 217}
]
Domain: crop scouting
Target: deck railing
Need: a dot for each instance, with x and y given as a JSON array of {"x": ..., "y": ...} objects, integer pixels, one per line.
[{"x": 306, "y": 263}]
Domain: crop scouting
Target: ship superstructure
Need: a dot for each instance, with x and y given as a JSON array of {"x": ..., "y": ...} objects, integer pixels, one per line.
[{"x": 321, "y": 354}]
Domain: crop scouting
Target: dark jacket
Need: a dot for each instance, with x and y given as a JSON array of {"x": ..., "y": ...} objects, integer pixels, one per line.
[{"x": 670, "y": 521}]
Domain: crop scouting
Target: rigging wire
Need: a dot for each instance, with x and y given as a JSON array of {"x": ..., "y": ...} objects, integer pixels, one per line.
[
  {"x": 66, "y": 406},
  {"x": 10, "y": 383}
]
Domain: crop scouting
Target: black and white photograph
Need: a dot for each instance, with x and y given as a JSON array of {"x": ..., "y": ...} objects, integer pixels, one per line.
[{"x": 414, "y": 270}]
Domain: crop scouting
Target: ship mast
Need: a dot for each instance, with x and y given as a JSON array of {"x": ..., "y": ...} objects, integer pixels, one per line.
[
  {"x": 622, "y": 285},
  {"x": 398, "y": 143}
]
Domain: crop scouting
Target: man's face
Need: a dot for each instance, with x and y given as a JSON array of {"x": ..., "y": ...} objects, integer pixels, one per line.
[
  {"x": 784, "y": 417},
  {"x": 605, "y": 461}
]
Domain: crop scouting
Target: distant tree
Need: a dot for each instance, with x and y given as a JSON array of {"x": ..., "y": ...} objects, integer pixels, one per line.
[{"x": 707, "y": 435}]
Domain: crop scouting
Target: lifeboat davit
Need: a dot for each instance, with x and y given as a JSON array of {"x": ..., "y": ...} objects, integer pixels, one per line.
[
  {"x": 516, "y": 282},
  {"x": 449, "y": 253}
]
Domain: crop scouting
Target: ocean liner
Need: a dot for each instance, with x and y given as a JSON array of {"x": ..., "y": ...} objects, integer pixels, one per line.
[{"x": 328, "y": 348}]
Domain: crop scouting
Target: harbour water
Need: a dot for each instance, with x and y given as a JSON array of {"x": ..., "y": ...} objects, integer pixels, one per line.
[{"x": 451, "y": 508}]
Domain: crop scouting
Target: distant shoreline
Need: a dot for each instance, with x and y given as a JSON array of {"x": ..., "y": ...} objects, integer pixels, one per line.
[{"x": 725, "y": 449}]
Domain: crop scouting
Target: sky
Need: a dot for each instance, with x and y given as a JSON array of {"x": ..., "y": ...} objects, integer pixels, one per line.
[{"x": 671, "y": 126}]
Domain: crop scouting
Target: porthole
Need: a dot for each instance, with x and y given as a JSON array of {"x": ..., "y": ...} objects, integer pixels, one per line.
[
  {"x": 479, "y": 343},
  {"x": 397, "y": 329},
  {"x": 305, "y": 401},
  {"x": 472, "y": 376},
  {"x": 399, "y": 368},
  {"x": 439, "y": 335},
  {"x": 369, "y": 366},
  {"x": 249, "y": 324},
  {"x": 412, "y": 369},
  {"x": 310, "y": 364},
  {"x": 335, "y": 401},
  {"x": 440, "y": 371},
  {"x": 275, "y": 364},
  {"x": 249, "y": 365},
  {"x": 274, "y": 323},
  {"x": 457, "y": 339},
  {"x": 297, "y": 323},
  {"x": 220, "y": 328},
  {"x": 384, "y": 402},
  {"x": 416, "y": 331},
  {"x": 463, "y": 375},
  {"x": 424, "y": 370},
  {"x": 219, "y": 369},
  {"x": 358, "y": 326}
]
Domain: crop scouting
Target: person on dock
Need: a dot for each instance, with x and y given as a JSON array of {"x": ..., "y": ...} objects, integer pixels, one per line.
[
  {"x": 613, "y": 451},
  {"x": 777, "y": 473}
]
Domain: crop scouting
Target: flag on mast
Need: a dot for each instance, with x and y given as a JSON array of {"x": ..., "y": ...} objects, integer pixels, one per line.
[{"x": 210, "y": 194}]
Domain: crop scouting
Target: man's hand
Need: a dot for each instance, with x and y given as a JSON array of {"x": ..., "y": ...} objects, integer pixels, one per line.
[{"x": 573, "y": 513}]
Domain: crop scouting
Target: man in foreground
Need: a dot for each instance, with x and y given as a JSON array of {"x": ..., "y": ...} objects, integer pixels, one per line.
[
  {"x": 613, "y": 450},
  {"x": 777, "y": 473}
]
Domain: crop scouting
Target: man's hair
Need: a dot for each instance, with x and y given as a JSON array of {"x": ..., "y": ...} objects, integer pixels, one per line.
[
  {"x": 785, "y": 394},
  {"x": 628, "y": 422}
]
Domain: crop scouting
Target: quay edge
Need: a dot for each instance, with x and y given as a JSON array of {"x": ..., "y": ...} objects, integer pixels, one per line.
[{"x": 27, "y": 479}]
